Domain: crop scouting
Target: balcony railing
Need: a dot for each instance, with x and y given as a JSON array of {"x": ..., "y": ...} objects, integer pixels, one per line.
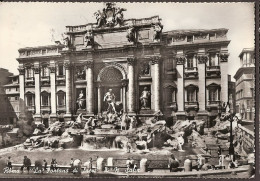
[
  {"x": 45, "y": 78},
  {"x": 213, "y": 68},
  {"x": 60, "y": 77},
  {"x": 191, "y": 69},
  {"x": 45, "y": 108},
  {"x": 192, "y": 105},
  {"x": 29, "y": 79},
  {"x": 211, "y": 102},
  {"x": 191, "y": 72},
  {"x": 31, "y": 108},
  {"x": 172, "y": 105},
  {"x": 61, "y": 107}
]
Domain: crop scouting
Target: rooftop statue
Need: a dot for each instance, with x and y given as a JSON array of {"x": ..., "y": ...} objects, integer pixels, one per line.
[{"x": 110, "y": 16}]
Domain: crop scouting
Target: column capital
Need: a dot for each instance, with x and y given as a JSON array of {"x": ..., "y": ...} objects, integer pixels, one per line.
[
  {"x": 21, "y": 70},
  {"x": 180, "y": 60},
  {"x": 36, "y": 70},
  {"x": 224, "y": 57},
  {"x": 124, "y": 82},
  {"x": 202, "y": 59},
  {"x": 52, "y": 69},
  {"x": 89, "y": 64},
  {"x": 156, "y": 59},
  {"x": 67, "y": 65},
  {"x": 131, "y": 60}
]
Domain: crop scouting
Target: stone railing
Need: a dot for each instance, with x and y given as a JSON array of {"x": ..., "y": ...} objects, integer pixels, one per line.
[
  {"x": 191, "y": 105},
  {"x": 213, "y": 68}
]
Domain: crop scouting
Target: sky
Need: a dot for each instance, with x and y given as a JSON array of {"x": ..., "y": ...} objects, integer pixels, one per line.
[{"x": 38, "y": 23}]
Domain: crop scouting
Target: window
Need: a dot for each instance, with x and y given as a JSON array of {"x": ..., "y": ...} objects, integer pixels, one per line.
[
  {"x": 29, "y": 73},
  {"x": 190, "y": 62},
  {"x": 16, "y": 89},
  {"x": 170, "y": 95},
  {"x": 189, "y": 38},
  {"x": 45, "y": 99},
  {"x": 60, "y": 70},
  {"x": 213, "y": 60},
  {"x": 30, "y": 100},
  {"x": 61, "y": 98},
  {"x": 45, "y": 71},
  {"x": 213, "y": 94},
  {"x": 16, "y": 98},
  {"x": 191, "y": 95},
  {"x": 252, "y": 92}
]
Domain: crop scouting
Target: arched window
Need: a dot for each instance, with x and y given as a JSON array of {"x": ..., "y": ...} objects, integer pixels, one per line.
[
  {"x": 45, "y": 98},
  {"x": 213, "y": 93},
  {"x": 61, "y": 98},
  {"x": 45, "y": 71},
  {"x": 191, "y": 61},
  {"x": 191, "y": 93},
  {"x": 213, "y": 59},
  {"x": 29, "y": 99}
]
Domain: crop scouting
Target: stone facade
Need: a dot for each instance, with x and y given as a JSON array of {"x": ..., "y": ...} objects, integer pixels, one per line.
[
  {"x": 9, "y": 98},
  {"x": 245, "y": 85},
  {"x": 184, "y": 71}
]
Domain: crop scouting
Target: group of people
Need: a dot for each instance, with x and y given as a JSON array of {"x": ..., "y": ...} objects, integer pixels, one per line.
[{"x": 27, "y": 164}]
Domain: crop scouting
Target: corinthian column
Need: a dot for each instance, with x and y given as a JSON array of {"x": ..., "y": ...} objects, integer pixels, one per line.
[
  {"x": 90, "y": 88},
  {"x": 156, "y": 82},
  {"x": 67, "y": 66},
  {"x": 202, "y": 60},
  {"x": 21, "y": 82},
  {"x": 131, "y": 85},
  {"x": 180, "y": 83},
  {"x": 37, "y": 115},
  {"x": 53, "y": 115}
]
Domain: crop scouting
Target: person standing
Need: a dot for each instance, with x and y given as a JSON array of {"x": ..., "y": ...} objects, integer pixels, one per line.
[
  {"x": 26, "y": 163},
  {"x": 219, "y": 150},
  {"x": 173, "y": 164},
  {"x": 9, "y": 163},
  {"x": 45, "y": 165},
  {"x": 71, "y": 164}
]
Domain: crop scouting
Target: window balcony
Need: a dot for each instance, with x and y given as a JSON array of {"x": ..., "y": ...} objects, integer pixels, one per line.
[
  {"x": 61, "y": 108},
  {"x": 45, "y": 108},
  {"x": 45, "y": 80},
  {"x": 29, "y": 81},
  {"x": 60, "y": 79},
  {"x": 191, "y": 72},
  {"x": 213, "y": 104},
  {"x": 171, "y": 105},
  {"x": 213, "y": 71},
  {"x": 31, "y": 108},
  {"x": 192, "y": 105}
]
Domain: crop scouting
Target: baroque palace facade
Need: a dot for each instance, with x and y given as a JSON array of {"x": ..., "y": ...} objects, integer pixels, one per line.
[{"x": 183, "y": 73}]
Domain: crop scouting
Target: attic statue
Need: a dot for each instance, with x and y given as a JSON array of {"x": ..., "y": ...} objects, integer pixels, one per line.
[
  {"x": 131, "y": 34},
  {"x": 66, "y": 41},
  {"x": 157, "y": 32},
  {"x": 89, "y": 41}
]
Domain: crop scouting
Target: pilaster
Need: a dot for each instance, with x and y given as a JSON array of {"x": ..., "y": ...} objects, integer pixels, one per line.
[
  {"x": 68, "y": 67},
  {"x": 180, "y": 59},
  {"x": 37, "y": 116},
  {"x": 131, "y": 85},
  {"x": 90, "y": 88},
  {"x": 53, "y": 115}
]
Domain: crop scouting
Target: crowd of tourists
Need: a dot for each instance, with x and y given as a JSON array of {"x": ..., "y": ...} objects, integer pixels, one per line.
[{"x": 75, "y": 165}]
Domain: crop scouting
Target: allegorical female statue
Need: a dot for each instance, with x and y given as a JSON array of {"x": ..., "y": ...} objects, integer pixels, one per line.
[
  {"x": 80, "y": 100},
  {"x": 145, "y": 98}
]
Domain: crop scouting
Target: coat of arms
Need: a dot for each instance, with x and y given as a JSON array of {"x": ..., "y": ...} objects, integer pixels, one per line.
[{"x": 110, "y": 16}]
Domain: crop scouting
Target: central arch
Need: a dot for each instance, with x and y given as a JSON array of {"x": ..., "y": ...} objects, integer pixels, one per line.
[{"x": 111, "y": 77}]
